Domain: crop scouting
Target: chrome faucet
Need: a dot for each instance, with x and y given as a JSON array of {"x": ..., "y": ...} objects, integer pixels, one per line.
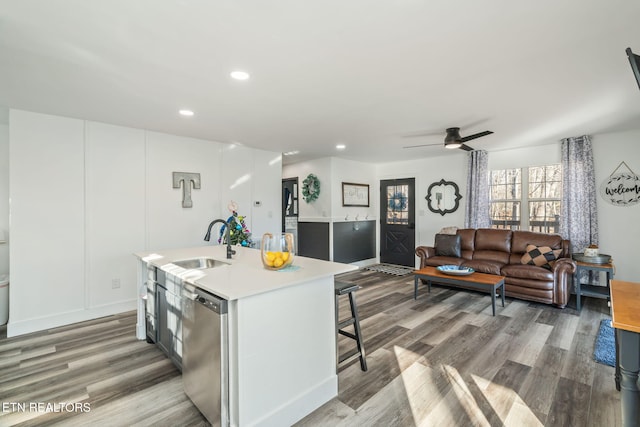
[{"x": 207, "y": 236}]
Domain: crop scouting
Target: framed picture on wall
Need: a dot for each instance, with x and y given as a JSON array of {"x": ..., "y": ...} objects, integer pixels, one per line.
[{"x": 355, "y": 194}]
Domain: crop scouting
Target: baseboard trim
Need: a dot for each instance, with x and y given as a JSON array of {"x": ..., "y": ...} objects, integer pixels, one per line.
[
  {"x": 296, "y": 409},
  {"x": 62, "y": 319}
]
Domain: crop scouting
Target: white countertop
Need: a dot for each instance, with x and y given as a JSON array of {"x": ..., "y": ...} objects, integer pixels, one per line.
[{"x": 244, "y": 276}]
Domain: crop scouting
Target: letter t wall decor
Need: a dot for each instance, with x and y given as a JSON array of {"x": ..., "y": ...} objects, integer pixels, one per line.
[{"x": 186, "y": 178}]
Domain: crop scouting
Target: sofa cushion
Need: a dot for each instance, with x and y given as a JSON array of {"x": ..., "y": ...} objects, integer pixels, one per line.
[
  {"x": 447, "y": 245},
  {"x": 484, "y": 266},
  {"x": 527, "y": 271},
  {"x": 541, "y": 256},
  {"x": 467, "y": 240},
  {"x": 489, "y": 239}
]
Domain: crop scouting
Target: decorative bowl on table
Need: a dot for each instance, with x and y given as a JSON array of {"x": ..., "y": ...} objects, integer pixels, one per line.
[
  {"x": 600, "y": 259},
  {"x": 455, "y": 270},
  {"x": 276, "y": 250}
]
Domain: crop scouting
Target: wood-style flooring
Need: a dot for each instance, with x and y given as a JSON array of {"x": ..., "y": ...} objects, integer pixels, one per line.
[{"x": 442, "y": 360}]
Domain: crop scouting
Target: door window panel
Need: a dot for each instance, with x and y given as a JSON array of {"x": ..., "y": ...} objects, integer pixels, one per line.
[{"x": 398, "y": 204}]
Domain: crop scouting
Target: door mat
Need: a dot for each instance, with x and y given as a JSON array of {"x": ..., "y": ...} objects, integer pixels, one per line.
[
  {"x": 396, "y": 270},
  {"x": 605, "y": 349}
]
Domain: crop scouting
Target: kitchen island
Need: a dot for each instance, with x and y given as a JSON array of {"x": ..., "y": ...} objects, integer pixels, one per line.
[{"x": 281, "y": 331}]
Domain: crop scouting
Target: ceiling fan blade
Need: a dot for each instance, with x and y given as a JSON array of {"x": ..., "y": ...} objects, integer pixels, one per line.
[
  {"x": 476, "y": 135},
  {"x": 422, "y": 145},
  {"x": 419, "y": 134},
  {"x": 465, "y": 147}
]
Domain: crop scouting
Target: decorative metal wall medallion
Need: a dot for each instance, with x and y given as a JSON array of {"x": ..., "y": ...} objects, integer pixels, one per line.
[
  {"x": 186, "y": 179},
  {"x": 443, "y": 197}
]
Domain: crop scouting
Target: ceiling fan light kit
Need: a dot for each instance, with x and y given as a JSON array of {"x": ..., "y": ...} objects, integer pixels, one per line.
[{"x": 454, "y": 140}]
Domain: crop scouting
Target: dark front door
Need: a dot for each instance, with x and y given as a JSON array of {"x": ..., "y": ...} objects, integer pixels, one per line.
[
  {"x": 289, "y": 203},
  {"x": 397, "y": 221}
]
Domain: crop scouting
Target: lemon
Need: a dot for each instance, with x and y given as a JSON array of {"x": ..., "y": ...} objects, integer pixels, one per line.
[
  {"x": 270, "y": 256},
  {"x": 285, "y": 256},
  {"x": 278, "y": 262}
]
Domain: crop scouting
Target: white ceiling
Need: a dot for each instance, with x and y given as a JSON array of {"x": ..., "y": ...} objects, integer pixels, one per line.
[{"x": 359, "y": 72}]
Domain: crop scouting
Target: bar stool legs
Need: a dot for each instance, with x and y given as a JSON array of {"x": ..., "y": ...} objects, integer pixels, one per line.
[{"x": 342, "y": 288}]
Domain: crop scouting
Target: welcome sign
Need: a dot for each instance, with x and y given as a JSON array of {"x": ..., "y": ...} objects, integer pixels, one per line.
[{"x": 621, "y": 189}]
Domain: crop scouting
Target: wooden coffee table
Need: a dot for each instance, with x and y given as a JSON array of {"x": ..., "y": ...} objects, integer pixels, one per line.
[{"x": 482, "y": 281}]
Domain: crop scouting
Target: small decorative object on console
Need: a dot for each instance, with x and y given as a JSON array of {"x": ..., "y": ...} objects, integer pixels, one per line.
[
  {"x": 591, "y": 251},
  {"x": 277, "y": 250},
  {"x": 239, "y": 233}
]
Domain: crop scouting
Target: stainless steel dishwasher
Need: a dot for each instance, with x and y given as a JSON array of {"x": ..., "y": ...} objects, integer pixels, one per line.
[{"x": 205, "y": 360}]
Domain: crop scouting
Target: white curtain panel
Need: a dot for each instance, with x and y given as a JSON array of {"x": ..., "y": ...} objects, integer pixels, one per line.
[
  {"x": 477, "y": 207},
  {"x": 579, "y": 219}
]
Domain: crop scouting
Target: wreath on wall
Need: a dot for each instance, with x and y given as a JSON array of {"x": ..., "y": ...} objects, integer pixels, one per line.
[
  {"x": 398, "y": 202},
  {"x": 310, "y": 188}
]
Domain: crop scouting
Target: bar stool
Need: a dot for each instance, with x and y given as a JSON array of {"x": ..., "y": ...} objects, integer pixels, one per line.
[{"x": 343, "y": 288}]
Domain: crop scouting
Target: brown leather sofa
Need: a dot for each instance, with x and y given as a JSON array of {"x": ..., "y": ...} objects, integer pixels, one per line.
[{"x": 501, "y": 252}]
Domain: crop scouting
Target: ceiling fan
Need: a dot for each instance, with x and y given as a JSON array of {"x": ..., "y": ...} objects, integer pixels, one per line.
[{"x": 454, "y": 140}]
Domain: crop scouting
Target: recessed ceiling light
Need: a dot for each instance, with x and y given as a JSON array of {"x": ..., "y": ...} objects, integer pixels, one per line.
[
  {"x": 240, "y": 75},
  {"x": 340, "y": 147},
  {"x": 290, "y": 153},
  {"x": 187, "y": 113}
]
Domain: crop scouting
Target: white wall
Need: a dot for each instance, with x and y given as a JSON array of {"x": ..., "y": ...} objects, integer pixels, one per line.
[
  {"x": 541, "y": 155},
  {"x": 267, "y": 167},
  {"x": 331, "y": 173},
  {"x": 85, "y": 196},
  {"x": 321, "y": 208},
  {"x": 426, "y": 172},
  {"x": 354, "y": 172},
  {"x": 619, "y": 227},
  {"x": 4, "y": 196},
  {"x": 169, "y": 224},
  {"x": 46, "y": 181},
  {"x": 115, "y": 208}
]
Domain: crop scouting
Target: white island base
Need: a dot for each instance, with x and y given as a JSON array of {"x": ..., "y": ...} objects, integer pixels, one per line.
[{"x": 282, "y": 354}]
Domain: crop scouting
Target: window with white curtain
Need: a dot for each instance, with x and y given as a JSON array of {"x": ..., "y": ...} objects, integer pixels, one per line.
[{"x": 526, "y": 198}]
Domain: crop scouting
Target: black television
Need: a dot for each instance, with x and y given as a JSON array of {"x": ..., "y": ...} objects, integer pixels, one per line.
[{"x": 634, "y": 60}]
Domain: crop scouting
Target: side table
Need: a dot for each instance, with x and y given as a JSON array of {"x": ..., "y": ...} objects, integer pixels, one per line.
[{"x": 589, "y": 290}]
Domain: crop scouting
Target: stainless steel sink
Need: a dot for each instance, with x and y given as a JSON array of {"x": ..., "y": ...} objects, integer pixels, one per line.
[{"x": 199, "y": 263}]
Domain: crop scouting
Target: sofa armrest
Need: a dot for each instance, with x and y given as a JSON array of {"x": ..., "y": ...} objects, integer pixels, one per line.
[
  {"x": 425, "y": 252},
  {"x": 564, "y": 266},
  {"x": 563, "y": 270}
]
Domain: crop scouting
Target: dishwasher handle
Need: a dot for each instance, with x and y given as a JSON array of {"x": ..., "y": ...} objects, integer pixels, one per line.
[{"x": 208, "y": 300}]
